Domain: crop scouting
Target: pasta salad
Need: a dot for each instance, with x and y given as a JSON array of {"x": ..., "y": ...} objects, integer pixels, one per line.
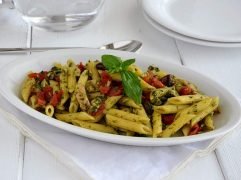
[{"x": 115, "y": 96}]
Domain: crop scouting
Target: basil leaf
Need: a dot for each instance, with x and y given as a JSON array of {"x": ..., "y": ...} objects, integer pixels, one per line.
[
  {"x": 127, "y": 63},
  {"x": 111, "y": 62},
  {"x": 130, "y": 81},
  {"x": 132, "y": 86}
]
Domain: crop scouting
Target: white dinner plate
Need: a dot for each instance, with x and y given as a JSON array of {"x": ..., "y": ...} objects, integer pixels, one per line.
[
  {"x": 13, "y": 74},
  {"x": 187, "y": 38},
  {"x": 213, "y": 20}
]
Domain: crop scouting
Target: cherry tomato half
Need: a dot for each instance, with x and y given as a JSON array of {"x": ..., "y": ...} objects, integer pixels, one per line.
[
  {"x": 185, "y": 90},
  {"x": 168, "y": 118}
]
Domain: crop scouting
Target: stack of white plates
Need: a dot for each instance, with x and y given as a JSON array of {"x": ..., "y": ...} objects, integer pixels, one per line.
[{"x": 204, "y": 22}]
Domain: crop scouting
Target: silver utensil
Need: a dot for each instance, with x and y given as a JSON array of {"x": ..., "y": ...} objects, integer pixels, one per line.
[{"x": 131, "y": 46}]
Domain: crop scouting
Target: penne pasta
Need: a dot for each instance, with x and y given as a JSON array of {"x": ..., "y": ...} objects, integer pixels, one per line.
[
  {"x": 71, "y": 79},
  {"x": 92, "y": 86},
  {"x": 202, "y": 114},
  {"x": 186, "y": 129},
  {"x": 188, "y": 99},
  {"x": 169, "y": 109},
  {"x": 109, "y": 103},
  {"x": 83, "y": 77},
  {"x": 140, "y": 111},
  {"x": 54, "y": 85},
  {"x": 70, "y": 63},
  {"x": 26, "y": 89},
  {"x": 33, "y": 101},
  {"x": 126, "y": 109},
  {"x": 129, "y": 102},
  {"x": 179, "y": 122},
  {"x": 157, "y": 124},
  {"x": 129, "y": 116},
  {"x": 135, "y": 69},
  {"x": 79, "y": 97},
  {"x": 63, "y": 87},
  {"x": 92, "y": 95},
  {"x": 80, "y": 92},
  {"x": 198, "y": 107},
  {"x": 157, "y": 96},
  {"x": 69, "y": 117},
  {"x": 95, "y": 126},
  {"x": 93, "y": 71},
  {"x": 116, "y": 76},
  {"x": 127, "y": 125},
  {"x": 208, "y": 121},
  {"x": 49, "y": 110},
  {"x": 73, "y": 107}
]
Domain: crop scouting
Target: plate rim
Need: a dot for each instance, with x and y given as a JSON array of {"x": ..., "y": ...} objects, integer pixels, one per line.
[
  {"x": 147, "y": 6},
  {"x": 118, "y": 139},
  {"x": 188, "y": 39}
]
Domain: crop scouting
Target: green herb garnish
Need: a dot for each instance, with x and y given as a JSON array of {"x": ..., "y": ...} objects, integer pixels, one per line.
[{"x": 130, "y": 81}]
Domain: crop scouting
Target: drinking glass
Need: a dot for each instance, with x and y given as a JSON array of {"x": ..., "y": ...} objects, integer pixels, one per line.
[{"x": 58, "y": 15}]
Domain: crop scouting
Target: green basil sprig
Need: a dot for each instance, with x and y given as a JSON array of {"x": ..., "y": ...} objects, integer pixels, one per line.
[{"x": 130, "y": 81}]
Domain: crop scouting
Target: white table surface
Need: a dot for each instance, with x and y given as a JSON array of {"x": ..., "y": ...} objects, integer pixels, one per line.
[{"x": 23, "y": 159}]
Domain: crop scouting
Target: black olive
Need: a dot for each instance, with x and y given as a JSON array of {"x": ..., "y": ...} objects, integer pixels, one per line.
[
  {"x": 148, "y": 107},
  {"x": 100, "y": 66},
  {"x": 168, "y": 80}
]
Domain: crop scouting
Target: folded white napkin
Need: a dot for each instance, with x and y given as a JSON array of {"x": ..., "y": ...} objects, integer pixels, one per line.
[{"x": 91, "y": 159}]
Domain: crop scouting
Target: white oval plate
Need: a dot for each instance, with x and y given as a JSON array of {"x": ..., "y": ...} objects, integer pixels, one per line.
[
  {"x": 188, "y": 38},
  {"x": 212, "y": 20},
  {"x": 12, "y": 75}
]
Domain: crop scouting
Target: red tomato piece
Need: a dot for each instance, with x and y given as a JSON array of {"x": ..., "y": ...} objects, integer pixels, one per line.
[
  {"x": 40, "y": 98},
  {"x": 48, "y": 92},
  {"x": 156, "y": 83},
  {"x": 81, "y": 67},
  {"x": 33, "y": 75},
  {"x": 54, "y": 100},
  {"x": 104, "y": 89},
  {"x": 151, "y": 79},
  {"x": 60, "y": 93},
  {"x": 41, "y": 102},
  {"x": 116, "y": 91},
  {"x": 40, "y": 94},
  {"x": 105, "y": 77},
  {"x": 185, "y": 90},
  {"x": 99, "y": 111},
  {"x": 168, "y": 118},
  {"x": 105, "y": 82},
  {"x": 42, "y": 75},
  {"x": 148, "y": 77},
  {"x": 195, "y": 130}
]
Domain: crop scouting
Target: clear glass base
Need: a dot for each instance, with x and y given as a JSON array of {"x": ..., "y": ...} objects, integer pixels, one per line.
[
  {"x": 60, "y": 23},
  {"x": 58, "y": 15}
]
